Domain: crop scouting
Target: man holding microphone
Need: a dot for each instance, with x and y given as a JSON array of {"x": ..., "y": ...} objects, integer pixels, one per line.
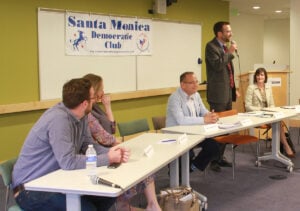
[{"x": 221, "y": 90}]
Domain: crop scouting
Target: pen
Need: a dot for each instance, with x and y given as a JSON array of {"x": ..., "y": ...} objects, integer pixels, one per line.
[
  {"x": 168, "y": 140},
  {"x": 213, "y": 111}
]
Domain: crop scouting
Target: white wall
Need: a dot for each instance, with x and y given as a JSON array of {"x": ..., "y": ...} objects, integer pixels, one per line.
[
  {"x": 248, "y": 32},
  {"x": 277, "y": 42},
  {"x": 295, "y": 52}
]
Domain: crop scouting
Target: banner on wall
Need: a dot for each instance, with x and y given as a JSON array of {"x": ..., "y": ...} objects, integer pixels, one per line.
[{"x": 89, "y": 34}]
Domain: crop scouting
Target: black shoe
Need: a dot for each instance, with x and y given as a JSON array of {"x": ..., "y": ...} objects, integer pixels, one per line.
[
  {"x": 224, "y": 163},
  {"x": 192, "y": 168},
  {"x": 215, "y": 167}
]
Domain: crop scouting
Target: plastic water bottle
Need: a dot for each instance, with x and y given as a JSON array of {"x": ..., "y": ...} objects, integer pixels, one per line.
[{"x": 91, "y": 160}]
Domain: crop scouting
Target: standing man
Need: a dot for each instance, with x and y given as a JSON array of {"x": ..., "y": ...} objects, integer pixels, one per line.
[
  {"x": 221, "y": 91},
  {"x": 59, "y": 140},
  {"x": 185, "y": 107}
]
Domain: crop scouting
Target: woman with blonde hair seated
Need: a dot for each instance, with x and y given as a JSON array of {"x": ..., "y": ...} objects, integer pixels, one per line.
[
  {"x": 102, "y": 127},
  {"x": 258, "y": 96}
]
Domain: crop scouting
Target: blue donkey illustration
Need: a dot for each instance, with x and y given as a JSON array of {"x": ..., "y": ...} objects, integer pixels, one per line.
[{"x": 77, "y": 41}]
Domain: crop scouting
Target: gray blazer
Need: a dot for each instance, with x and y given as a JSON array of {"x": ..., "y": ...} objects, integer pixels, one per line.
[
  {"x": 218, "y": 79},
  {"x": 253, "y": 99}
]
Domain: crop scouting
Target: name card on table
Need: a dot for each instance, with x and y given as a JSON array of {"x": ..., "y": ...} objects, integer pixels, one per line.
[
  {"x": 242, "y": 122},
  {"x": 148, "y": 151},
  {"x": 278, "y": 114},
  {"x": 245, "y": 122},
  {"x": 210, "y": 128},
  {"x": 182, "y": 139}
]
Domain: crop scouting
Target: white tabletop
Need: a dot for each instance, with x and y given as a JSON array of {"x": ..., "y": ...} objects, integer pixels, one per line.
[
  {"x": 76, "y": 182},
  {"x": 277, "y": 113},
  {"x": 255, "y": 121}
]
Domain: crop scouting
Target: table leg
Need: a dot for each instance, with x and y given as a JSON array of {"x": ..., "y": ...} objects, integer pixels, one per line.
[
  {"x": 276, "y": 154},
  {"x": 73, "y": 202},
  {"x": 174, "y": 173},
  {"x": 185, "y": 169},
  {"x": 185, "y": 179}
]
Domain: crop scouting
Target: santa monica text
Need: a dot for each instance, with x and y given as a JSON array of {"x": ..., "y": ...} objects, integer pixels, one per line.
[{"x": 114, "y": 24}]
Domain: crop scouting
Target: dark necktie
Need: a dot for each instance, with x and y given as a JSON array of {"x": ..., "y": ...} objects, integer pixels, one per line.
[{"x": 229, "y": 68}]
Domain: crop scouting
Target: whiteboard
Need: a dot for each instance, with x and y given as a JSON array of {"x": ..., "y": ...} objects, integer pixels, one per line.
[{"x": 176, "y": 49}]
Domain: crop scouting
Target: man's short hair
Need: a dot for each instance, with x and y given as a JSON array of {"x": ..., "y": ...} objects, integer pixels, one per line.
[
  {"x": 75, "y": 92},
  {"x": 183, "y": 75},
  {"x": 218, "y": 27}
]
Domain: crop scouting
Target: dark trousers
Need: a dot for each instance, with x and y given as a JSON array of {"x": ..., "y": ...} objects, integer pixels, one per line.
[
  {"x": 218, "y": 107},
  {"x": 210, "y": 151},
  {"x": 36, "y": 200}
]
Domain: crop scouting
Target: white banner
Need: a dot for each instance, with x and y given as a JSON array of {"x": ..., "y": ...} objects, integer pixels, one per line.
[{"x": 107, "y": 35}]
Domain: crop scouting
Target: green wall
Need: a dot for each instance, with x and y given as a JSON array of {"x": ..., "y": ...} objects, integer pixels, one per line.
[{"x": 19, "y": 56}]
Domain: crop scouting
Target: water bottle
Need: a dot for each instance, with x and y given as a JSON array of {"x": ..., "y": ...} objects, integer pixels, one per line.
[{"x": 91, "y": 160}]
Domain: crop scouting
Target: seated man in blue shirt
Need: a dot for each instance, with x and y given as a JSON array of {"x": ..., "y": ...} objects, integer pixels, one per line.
[
  {"x": 59, "y": 140},
  {"x": 185, "y": 107}
]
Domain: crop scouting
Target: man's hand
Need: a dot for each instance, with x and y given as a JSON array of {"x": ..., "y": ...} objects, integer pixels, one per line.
[
  {"x": 211, "y": 117},
  {"x": 125, "y": 155},
  {"x": 118, "y": 154}
]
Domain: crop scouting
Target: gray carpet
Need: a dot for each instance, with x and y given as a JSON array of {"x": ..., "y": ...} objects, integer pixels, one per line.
[{"x": 252, "y": 189}]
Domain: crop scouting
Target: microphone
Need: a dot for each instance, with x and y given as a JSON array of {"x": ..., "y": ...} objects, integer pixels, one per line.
[
  {"x": 236, "y": 51},
  {"x": 97, "y": 180}
]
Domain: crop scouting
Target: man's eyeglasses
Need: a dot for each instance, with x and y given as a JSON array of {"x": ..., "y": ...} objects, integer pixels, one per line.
[
  {"x": 94, "y": 98},
  {"x": 191, "y": 82}
]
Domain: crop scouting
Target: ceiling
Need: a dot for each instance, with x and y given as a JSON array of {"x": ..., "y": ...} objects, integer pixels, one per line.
[{"x": 267, "y": 9}]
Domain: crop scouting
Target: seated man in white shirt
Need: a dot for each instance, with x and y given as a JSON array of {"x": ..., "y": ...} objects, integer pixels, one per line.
[{"x": 185, "y": 107}]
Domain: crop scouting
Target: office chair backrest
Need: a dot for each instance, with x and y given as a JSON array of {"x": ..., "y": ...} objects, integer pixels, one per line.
[
  {"x": 227, "y": 113},
  {"x": 235, "y": 139},
  {"x": 6, "y": 169},
  {"x": 132, "y": 127},
  {"x": 159, "y": 122}
]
